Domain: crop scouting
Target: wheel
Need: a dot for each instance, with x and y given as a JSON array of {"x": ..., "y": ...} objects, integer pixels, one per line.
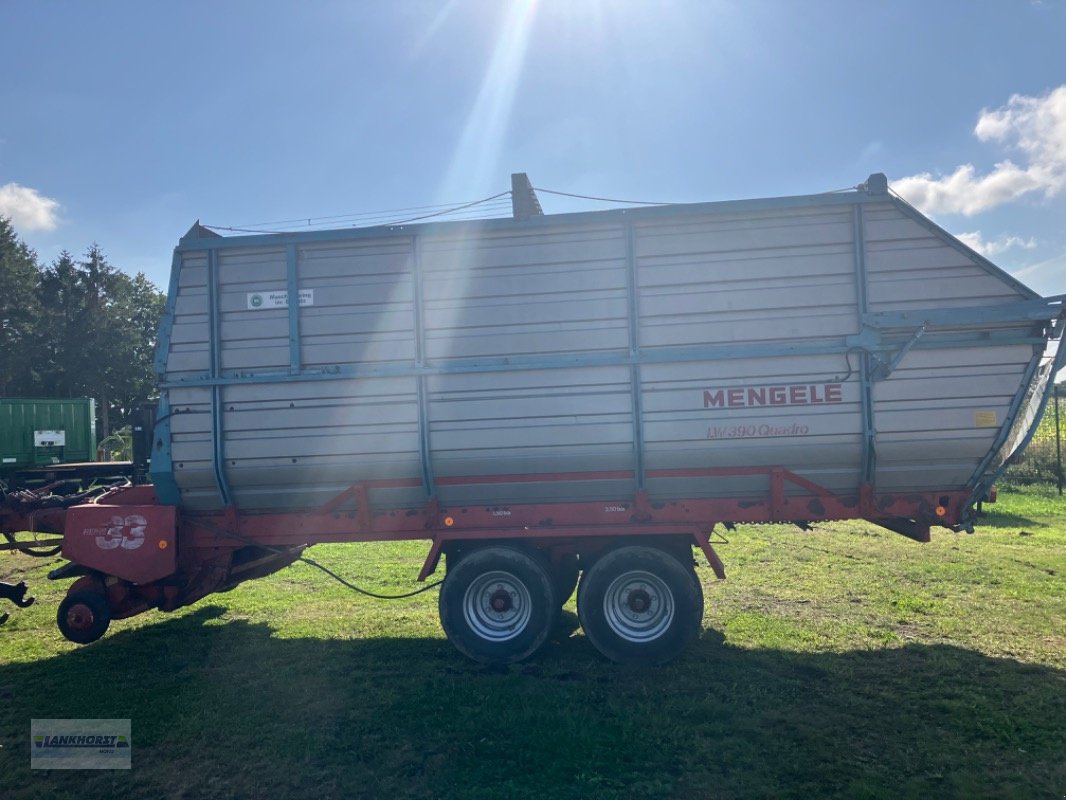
[
  {"x": 83, "y": 616},
  {"x": 497, "y": 604},
  {"x": 564, "y": 574},
  {"x": 640, "y": 605}
]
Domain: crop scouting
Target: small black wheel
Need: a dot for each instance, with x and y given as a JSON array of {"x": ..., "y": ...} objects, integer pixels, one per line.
[
  {"x": 564, "y": 573},
  {"x": 497, "y": 604},
  {"x": 640, "y": 605},
  {"x": 83, "y": 616}
]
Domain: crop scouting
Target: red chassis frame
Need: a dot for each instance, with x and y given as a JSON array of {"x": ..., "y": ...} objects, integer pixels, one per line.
[{"x": 159, "y": 556}]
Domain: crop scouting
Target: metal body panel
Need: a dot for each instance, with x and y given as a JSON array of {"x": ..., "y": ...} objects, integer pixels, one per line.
[
  {"x": 752, "y": 334},
  {"x": 131, "y": 542}
]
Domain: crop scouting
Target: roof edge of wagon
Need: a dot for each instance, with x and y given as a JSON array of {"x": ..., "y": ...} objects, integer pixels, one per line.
[
  {"x": 202, "y": 237},
  {"x": 874, "y": 190}
]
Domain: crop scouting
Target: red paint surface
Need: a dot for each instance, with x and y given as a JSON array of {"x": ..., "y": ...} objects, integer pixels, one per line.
[{"x": 134, "y": 542}]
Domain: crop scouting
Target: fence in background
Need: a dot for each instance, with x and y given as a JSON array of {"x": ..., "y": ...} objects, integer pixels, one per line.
[{"x": 1042, "y": 460}]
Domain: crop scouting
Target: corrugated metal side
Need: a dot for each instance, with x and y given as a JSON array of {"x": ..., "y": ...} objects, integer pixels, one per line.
[
  {"x": 538, "y": 421},
  {"x": 939, "y": 413},
  {"x": 293, "y": 444},
  {"x": 363, "y": 311},
  {"x": 556, "y": 298},
  {"x": 821, "y": 441},
  {"x": 941, "y": 410},
  {"x": 538, "y": 295},
  {"x": 20, "y": 417},
  {"x": 772, "y": 276},
  {"x": 756, "y": 278},
  {"x": 296, "y": 445},
  {"x": 525, "y": 293},
  {"x": 187, "y": 356},
  {"x": 910, "y": 267}
]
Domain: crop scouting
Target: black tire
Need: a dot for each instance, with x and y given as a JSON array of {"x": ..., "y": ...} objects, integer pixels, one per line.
[
  {"x": 497, "y": 604},
  {"x": 640, "y": 605},
  {"x": 83, "y": 616},
  {"x": 564, "y": 574}
]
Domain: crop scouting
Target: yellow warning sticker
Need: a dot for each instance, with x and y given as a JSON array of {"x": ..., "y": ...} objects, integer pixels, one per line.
[{"x": 986, "y": 419}]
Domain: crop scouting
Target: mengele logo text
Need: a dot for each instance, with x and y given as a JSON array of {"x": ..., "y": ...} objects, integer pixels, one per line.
[{"x": 788, "y": 395}]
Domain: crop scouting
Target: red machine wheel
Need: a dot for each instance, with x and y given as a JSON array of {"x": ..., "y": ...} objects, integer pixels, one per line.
[{"x": 83, "y": 616}]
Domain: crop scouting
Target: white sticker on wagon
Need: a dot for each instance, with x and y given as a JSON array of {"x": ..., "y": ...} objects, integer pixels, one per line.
[{"x": 258, "y": 301}]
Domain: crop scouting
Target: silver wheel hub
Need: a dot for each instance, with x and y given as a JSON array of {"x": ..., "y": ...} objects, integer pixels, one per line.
[
  {"x": 638, "y": 606},
  {"x": 497, "y": 606}
]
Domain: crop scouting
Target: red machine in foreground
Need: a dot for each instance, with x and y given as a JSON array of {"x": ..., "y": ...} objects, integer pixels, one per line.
[{"x": 545, "y": 398}]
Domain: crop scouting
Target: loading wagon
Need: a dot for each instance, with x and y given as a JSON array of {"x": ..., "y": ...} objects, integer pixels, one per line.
[{"x": 554, "y": 397}]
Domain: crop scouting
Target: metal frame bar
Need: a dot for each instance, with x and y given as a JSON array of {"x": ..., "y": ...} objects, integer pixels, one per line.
[
  {"x": 424, "y": 450},
  {"x": 723, "y": 352},
  {"x": 291, "y": 264},
  {"x": 1041, "y": 310},
  {"x": 214, "y": 349},
  {"x": 162, "y": 464},
  {"x": 868, "y": 459},
  {"x": 335, "y": 522},
  {"x": 636, "y": 392}
]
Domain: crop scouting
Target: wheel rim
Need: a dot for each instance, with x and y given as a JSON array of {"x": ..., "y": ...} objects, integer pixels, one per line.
[
  {"x": 80, "y": 617},
  {"x": 638, "y": 606},
  {"x": 497, "y": 606}
]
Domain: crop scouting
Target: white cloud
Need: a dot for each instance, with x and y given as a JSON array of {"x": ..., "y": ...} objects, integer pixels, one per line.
[
  {"x": 28, "y": 209},
  {"x": 995, "y": 246},
  {"x": 1035, "y": 127}
]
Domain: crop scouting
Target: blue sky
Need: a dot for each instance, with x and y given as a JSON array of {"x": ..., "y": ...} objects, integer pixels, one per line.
[{"x": 123, "y": 122}]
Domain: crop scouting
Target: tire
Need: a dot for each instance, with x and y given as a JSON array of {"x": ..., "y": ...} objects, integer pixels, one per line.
[
  {"x": 564, "y": 574},
  {"x": 640, "y": 605},
  {"x": 83, "y": 616},
  {"x": 497, "y": 604}
]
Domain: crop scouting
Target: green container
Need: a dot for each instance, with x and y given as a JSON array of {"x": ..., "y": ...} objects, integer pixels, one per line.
[{"x": 38, "y": 432}]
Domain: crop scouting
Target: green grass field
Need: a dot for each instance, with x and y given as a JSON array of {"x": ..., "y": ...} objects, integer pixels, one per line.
[{"x": 844, "y": 662}]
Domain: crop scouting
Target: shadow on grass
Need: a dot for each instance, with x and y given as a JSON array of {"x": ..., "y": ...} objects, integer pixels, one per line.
[
  {"x": 226, "y": 709},
  {"x": 1006, "y": 519}
]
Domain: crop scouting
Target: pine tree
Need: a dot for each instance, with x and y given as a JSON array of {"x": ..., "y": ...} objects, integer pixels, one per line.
[
  {"x": 98, "y": 335},
  {"x": 19, "y": 312}
]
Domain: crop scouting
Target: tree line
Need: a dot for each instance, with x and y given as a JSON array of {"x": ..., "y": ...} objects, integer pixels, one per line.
[{"x": 76, "y": 328}]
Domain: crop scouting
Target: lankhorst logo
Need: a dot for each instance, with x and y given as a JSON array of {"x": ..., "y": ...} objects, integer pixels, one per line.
[
  {"x": 80, "y": 741},
  {"x": 80, "y": 744}
]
